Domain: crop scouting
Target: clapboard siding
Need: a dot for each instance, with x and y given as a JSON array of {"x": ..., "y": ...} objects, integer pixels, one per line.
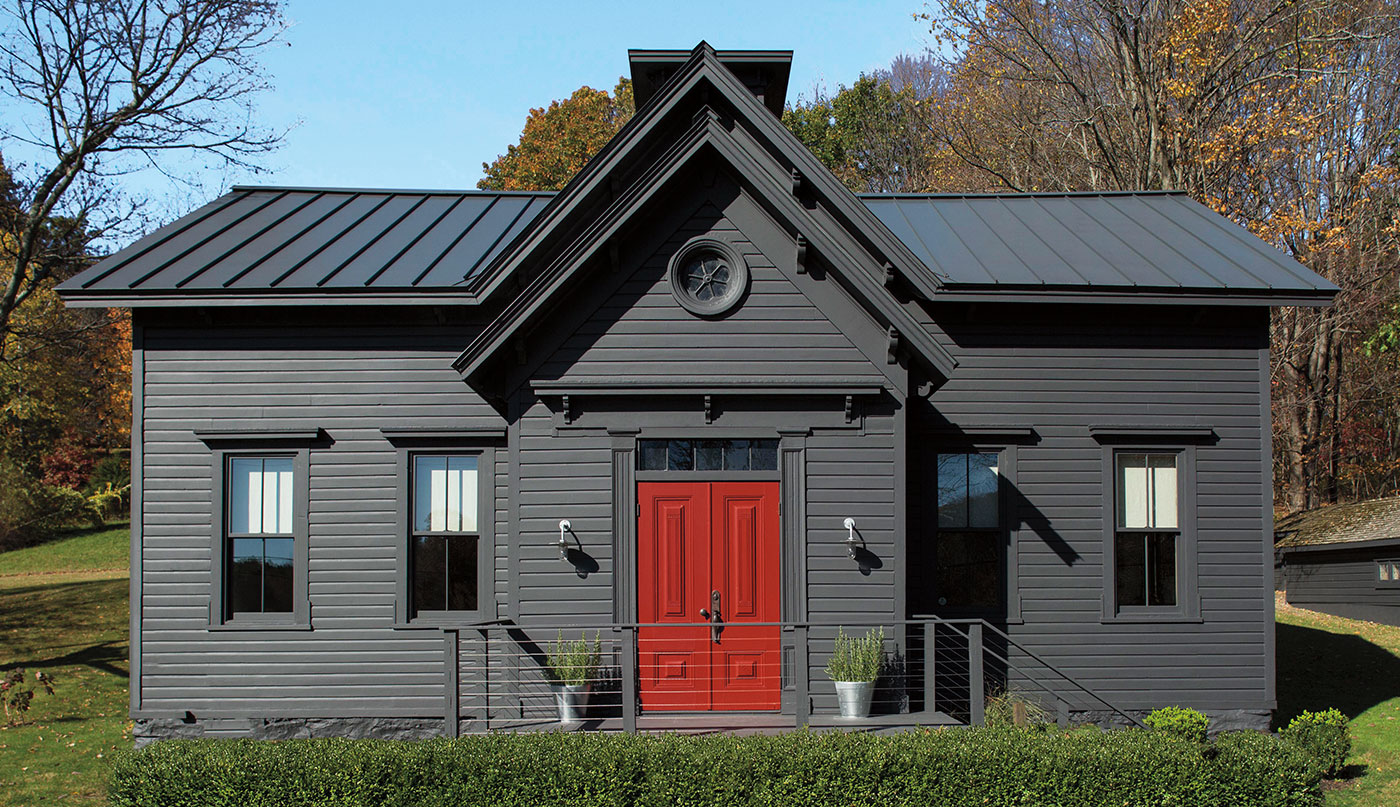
[
  {"x": 643, "y": 333},
  {"x": 350, "y": 381},
  {"x": 1343, "y": 582},
  {"x": 1061, "y": 370}
]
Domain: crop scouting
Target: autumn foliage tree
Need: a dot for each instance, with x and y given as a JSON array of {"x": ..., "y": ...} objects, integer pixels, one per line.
[
  {"x": 559, "y": 139},
  {"x": 1282, "y": 114}
]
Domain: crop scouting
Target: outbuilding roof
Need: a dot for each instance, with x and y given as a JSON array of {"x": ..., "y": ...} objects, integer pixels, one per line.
[
  {"x": 1357, "y": 522},
  {"x": 272, "y": 243}
]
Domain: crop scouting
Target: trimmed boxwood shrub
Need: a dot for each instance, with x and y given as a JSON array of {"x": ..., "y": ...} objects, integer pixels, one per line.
[
  {"x": 1324, "y": 736},
  {"x": 990, "y": 766},
  {"x": 1187, "y": 723}
]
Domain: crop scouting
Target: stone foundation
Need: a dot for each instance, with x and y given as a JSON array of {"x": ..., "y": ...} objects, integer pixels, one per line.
[{"x": 147, "y": 731}]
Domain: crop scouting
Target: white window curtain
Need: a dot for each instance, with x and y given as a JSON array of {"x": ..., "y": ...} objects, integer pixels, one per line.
[
  {"x": 260, "y": 496},
  {"x": 1147, "y": 491},
  {"x": 445, "y": 494}
]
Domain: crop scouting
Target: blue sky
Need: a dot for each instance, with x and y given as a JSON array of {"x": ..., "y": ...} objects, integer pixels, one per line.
[{"x": 419, "y": 94}]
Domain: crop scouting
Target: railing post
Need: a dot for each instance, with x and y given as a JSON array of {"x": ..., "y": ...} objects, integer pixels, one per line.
[
  {"x": 451, "y": 653},
  {"x": 976, "y": 675},
  {"x": 629, "y": 679},
  {"x": 930, "y": 666},
  {"x": 802, "y": 700},
  {"x": 1062, "y": 712}
]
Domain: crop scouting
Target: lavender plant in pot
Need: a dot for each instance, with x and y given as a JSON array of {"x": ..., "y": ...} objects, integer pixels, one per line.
[
  {"x": 572, "y": 666},
  {"x": 855, "y": 664}
]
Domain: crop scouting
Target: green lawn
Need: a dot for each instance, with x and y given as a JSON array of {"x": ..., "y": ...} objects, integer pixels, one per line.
[
  {"x": 1355, "y": 666},
  {"x": 79, "y": 551},
  {"x": 63, "y": 610}
]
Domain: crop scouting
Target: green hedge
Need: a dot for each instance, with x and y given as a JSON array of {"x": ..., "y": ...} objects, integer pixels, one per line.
[{"x": 979, "y": 767}]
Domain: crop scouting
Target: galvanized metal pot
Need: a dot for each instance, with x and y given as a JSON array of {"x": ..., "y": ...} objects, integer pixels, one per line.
[
  {"x": 571, "y": 700},
  {"x": 854, "y": 697}
]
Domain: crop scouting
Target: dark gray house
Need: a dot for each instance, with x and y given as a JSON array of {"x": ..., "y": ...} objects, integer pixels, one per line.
[
  {"x": 1343, "y": 559},
  {"x": 708, "y": 406}
]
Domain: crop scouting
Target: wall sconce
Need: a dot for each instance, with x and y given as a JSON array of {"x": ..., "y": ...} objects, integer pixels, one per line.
[
  {"x": 564, "y": 529},
  {"x": 851, "y": 540}
]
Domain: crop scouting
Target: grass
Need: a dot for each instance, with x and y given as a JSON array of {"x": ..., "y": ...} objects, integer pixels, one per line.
[
  {"x": 63, "y": 610},
  {"x": 100, "y": 548},
  {"x": 1326, "y": 661}
]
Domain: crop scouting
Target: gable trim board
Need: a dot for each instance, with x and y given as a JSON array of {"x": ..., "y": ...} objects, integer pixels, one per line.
[{"x": 580, "y": 256}]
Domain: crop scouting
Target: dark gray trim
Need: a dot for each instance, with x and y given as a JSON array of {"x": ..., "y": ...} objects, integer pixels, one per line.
[
  {"x": 257, "y": 446},
  {"x": 1266, "y": 517},
  {"x": 792, "y": 494},
  {"x": 1188, "y": 598},
  {"x": 1339, "y": 546},
  {"x": 485, "y": 450},
  {"x": 259, "y": 436},
  {"x": 1144, "y": 432},
  {"x": 848, "y": 254},
  {"x": 443, "y": 435},
  {"x": 515, "y": 412},
  {"x": 750, "y": 385},
  {"x": 774, "y": 475},
  {"x": 340, "y": 297},
  {"x": 624, "y": 515},
  {"x": 999, "y": 435},
  {"x": 138, "y": 486},
  {"x": 1001, "y": 294},
  {"x": 901, "y": 517}
]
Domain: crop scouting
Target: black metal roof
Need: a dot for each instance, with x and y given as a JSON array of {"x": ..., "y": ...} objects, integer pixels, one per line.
[
  {"x": 259, "y": 243},
  {"x": 1144, "y": 240}
]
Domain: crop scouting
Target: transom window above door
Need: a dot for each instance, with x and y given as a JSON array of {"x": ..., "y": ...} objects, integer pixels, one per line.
[{"x": 707, "y": 455}]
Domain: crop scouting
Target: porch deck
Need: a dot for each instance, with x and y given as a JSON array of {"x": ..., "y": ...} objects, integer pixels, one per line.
[
  {"x": 736, "y": 723},
  {"x": 937, "y": 673}
]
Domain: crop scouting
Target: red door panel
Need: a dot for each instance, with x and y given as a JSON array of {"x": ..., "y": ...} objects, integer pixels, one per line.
[
  {"x": 745, "y": 556},
  {"x": 673, "y": 584},
  {"x": 695, "y": 538}
]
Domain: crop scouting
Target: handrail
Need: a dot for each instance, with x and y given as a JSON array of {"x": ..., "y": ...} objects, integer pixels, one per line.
[
  {"x": 803, "y": 628},
  {"x": 1057, "y": 671}
]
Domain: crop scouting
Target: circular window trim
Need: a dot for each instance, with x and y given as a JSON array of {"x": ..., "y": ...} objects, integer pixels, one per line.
[{"x": 738, "y": 276}]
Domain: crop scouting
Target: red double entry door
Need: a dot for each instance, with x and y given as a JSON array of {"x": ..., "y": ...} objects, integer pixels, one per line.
[{"x": 708, "y": 552}]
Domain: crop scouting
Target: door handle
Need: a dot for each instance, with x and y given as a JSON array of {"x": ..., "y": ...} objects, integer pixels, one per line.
[{"x": 716, "y": 621}]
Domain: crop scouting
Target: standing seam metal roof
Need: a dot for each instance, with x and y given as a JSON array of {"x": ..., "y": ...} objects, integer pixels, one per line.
[{"x": 264, "y": 239}]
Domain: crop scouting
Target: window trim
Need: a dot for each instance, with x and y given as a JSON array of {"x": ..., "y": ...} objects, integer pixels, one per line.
[
  {"x": 300, "y": 616},
  {"x": 1385, "y": 585},
  {"x": 1188, "y": 601},
  {"x": 1009, "y": 526},
  {"x": 484, "y": 449}
]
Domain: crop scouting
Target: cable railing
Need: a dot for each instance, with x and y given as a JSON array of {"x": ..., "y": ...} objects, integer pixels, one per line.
[{"x": 743, "y": 677}]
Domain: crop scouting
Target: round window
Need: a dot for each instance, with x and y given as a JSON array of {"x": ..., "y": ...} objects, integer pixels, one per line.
[{"x": 708, "y": 277}]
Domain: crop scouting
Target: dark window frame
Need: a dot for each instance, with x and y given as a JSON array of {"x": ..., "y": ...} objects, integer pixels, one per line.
[
  {"x": 1394, "y": 581},
  {"x": 1188, "y": 603},
  {"x": 1008, "y": 607},
  {"x": 220, "y": 616},
  {"x": 485, "y": 452}
]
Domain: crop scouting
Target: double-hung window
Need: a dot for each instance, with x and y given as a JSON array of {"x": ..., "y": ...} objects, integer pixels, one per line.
[
  {"x": 445, "y": 537},
  {"x": 260, "y": 540},
  {"x": 260, "y": 530},
  {"x": 969, "y": 564},
  {"x": 1148, "y": 528}
]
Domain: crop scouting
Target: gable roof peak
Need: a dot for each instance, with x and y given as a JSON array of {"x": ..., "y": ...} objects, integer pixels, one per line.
[{"x": 764, "y": 72}]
